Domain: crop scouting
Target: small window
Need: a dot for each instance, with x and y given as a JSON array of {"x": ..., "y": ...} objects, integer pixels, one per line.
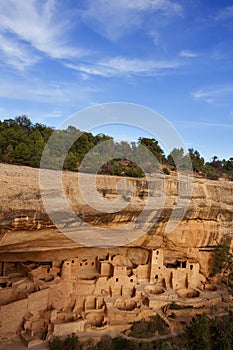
[
  {"x": 86, "y": 263},
  {"x": 131, "y": 279},
  {"x": 72, "y": 261},
  {"x": 156, "y": 277},
  {"x": 157, "y": 252},
  {"x": 92, "y": 263},
  {"x": 48, "y": 270},
  {"x": 68, "y": 263},
  {"x": 81, "y": 264},
  {"x": 191, "y": 267},
  {"x": 183, "y": 264},
  {"x": 117, "y": 279}
]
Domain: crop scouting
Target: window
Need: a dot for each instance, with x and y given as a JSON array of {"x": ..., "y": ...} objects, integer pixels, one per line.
[
  {"x": 191, "y": 267},
  {"x": 92, "y": 263},
  {"x": 156, "y": 277},
  {"x": 81, "y": 264},
  {"x": 131, "y": 279},
  {"x": 157, "y": 252},
  {"x": 117, "y": 279},
  {"x": 183, "y": 265},
  {"x": 72, "y": 261},
  {"x": 86, "y": 263}
]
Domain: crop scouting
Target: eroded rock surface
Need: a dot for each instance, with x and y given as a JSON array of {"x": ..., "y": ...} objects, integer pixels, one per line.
[{"x": 57, "y": 285}]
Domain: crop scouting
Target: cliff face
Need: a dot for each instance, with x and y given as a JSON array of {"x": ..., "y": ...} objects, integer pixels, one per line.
[{"x": 26, "y": 227}]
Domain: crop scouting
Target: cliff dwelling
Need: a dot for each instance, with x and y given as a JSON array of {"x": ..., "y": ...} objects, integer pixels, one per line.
[
  {"x": 84, "y": 293},
  {"x": 51, "y": 285}
]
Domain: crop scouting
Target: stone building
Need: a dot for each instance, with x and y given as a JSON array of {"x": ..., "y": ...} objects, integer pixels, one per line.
[{"x": 49, "y": 297}]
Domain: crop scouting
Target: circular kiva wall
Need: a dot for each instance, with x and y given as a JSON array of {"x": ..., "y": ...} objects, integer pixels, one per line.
[
  {"x": 125, "y": 304},
  {"x": 154, "y": 290},
  {"x": 210, "y": 288},
  {"x": 187, "y": 293},
  {"x": 95, "y": 319}
]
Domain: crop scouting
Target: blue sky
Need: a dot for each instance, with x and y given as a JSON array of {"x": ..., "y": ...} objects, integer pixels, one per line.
[{"x": 60, "y": 56}]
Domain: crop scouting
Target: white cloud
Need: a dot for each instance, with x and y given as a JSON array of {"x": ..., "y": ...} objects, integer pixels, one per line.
[
  {"x": 53, "y": 92},
  {"x": 220, "y": 94},
  {"x": 202, "y": 124},
  {"x": 121, "y": 66},
  {"x": 30, "y": 24},
  {"x": 113, "y": 19},
  {"x": 15, "y": 54},
  {"x": 188, "y": 54},
  {"x": 225, "y": 13},
  {"x": 155, "y": 37}
]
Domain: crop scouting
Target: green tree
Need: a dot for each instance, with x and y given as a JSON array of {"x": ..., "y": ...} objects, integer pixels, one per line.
[
  {"x": 71, "y": 162},
  {"x": 55, "y": 344},
  {"x": 198, "y": 333},
  {"x": 178, "y": 160},
  {"x": 221, "y": 333},
  {"x": 196, "y": 159},
  {"x": 22, "y": 154},
  {"x": 222, "y": 263},
  {"x": 153, "y": 146},
  {"x": 71, "y": 342}
]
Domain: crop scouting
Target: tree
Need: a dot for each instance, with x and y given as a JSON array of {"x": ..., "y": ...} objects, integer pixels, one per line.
[
  {"x": 222, "y": 263},
  {"x": 196, "y": 159},
  {"x": 178, "y": 160},
  {"x": 198, "y": 333},
  {"x": 221, "y": 333},
  {"x": 25, "y": 123},
  {"x": 22, "y": 154},
  {"x": 71, "y": 162},
  {"x": 153, "y": 146}
]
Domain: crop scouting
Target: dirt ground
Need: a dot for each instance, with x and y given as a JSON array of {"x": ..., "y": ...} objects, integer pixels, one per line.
[{"x": 18, "y": 345}]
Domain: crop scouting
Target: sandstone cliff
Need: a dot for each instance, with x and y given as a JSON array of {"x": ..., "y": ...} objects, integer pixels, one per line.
[{"x": 27, "y": 231}]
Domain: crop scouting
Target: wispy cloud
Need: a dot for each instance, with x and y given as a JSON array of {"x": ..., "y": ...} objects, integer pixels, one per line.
[
  {"x": 188, "y": 54},
  {"x": 220, "y": 94},
  {"x": 121, "y": 66},
  {"x": 29, "y": 26},
  {"x": 202, "y": 124},
  {"x": 113, "y": 19},
  {"x": 224, "y": 14},
  {"x": 53, "y": 92},
  {"x": 15, "y": 54}
]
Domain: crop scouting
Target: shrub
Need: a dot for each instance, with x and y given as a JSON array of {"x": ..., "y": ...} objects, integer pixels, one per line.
[
  {"x": 198, "y": 334},
  {"x": 71, "y": 342},
  {"x": 166, "y": 171},
  {"x": 147, "y": 328},
  {"x": 55, "y": 344},
  {"x": 105, "y": 343},
  {"x": 142, "y": 194}
]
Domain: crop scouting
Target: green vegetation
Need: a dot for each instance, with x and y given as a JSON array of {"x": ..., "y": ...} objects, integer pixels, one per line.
[
  {"x": 71, "y": 342},
  {"x": 23, "y": 143},
  {"x": 120, "y": 343},
  {"x": 222, "y": 263},
  {"x": 149, "y": 327},
  {"x": 166, "y": 171},
  {"x": 175, "y": 306},
  {"x": 202, "y": 333},
  {"x": 197, "y": 334},
  {"x": 206, "y": 334}
]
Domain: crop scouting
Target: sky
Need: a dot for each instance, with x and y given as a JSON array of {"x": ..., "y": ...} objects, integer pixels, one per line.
[{"x": 58, "y": 57}]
